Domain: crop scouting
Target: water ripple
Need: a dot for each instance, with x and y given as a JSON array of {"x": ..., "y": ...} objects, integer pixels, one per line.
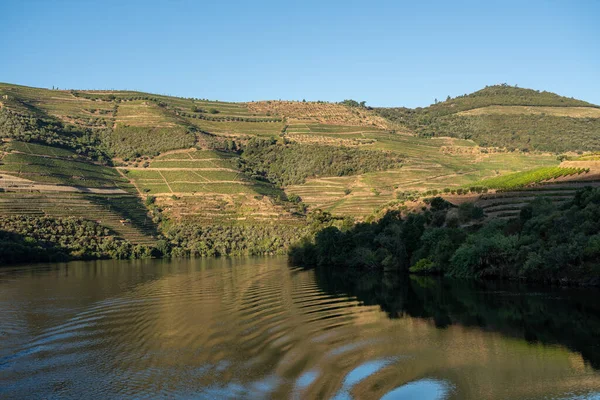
[{"x": 246, "y": 329}]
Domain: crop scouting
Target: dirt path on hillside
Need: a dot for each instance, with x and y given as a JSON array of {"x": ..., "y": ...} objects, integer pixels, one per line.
[
  {"x": 179, "y": 151},
  {"x": 177, "y": 169},
  {"x": 185, "y": 160},
  {"x": 166, "y": 182},
  {"x": 131, "y": 181},
  {"x": 212, "y": 182}
]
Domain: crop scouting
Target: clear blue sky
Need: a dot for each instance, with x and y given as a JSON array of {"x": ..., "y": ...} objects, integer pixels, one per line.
[{"x": 385, "y": 52}]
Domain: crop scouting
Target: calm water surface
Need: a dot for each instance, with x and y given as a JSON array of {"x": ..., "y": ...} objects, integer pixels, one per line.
[{"x": 256, "y": 328}]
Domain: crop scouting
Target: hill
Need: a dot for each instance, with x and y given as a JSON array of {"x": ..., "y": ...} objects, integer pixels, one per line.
[
  {"x": 507, "y": 117},
  {"x": 193, "y": 176}
]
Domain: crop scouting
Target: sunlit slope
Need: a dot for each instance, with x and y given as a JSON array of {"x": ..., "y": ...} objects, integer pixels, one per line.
[
  {"x": 207, "y": 186},
  {"x": 430, "y": 164},
  {"x": 185, "y": 151},
  {"x": 558, "y": 187}
]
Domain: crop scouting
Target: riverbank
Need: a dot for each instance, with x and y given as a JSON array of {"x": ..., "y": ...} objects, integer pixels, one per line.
[{"x": 547, "y": 243}]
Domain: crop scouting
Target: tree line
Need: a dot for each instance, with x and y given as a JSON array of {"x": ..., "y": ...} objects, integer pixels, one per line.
[
  {"x": 547, "y": 242},
  {"x": 45, "y": 239}
]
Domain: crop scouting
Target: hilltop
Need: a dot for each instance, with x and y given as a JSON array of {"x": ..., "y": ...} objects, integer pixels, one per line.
[
  {"x": 507, "y": 117},
  {"x": 203, "y": 177}
]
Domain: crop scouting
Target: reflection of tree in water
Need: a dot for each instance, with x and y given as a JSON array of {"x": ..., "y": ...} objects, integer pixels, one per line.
[{"x": 569, "y": 317}]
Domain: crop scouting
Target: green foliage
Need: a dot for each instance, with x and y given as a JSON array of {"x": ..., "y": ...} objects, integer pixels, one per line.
[
  {"x": 30, "y": 128},
  {"x": 526, "y": 178},
  {"x": 519, "y": 132},
  {"x": 136, "y": 141},
  {"x": 292, "y": 163},
  {"x": 26, "y": 239},
  {"x": 423, "y": 266},
  {"x": 232, "y": 240},
  {"x": 150, "y": 200},
  {"x": 353, "y": 103},
  {"x": 547, "y": 243},
  {"x": 496, "y": 95}
]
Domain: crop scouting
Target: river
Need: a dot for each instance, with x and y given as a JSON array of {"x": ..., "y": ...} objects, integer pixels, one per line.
[{"x": 258, "y": 328}]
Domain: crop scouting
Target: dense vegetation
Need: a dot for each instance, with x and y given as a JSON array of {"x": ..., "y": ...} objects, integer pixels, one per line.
[
  {"x": 292, "y": 163},
  {"x": 546, "y": 243},
  {"x": 135, "y": 141},
  {"x": 231, "y": 240},
  {"x": 26, "y": 239},
  {"x": 43, "y": 239},
  {"x": 29, "y": 128},
  {"x": 495, "y": 95},
  {"x": 524, "y": 132},
  {"x": 505, "y": 95}
]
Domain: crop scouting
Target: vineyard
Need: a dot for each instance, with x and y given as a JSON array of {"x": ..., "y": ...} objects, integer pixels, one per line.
[
  {"x": 427, "y": 168},
  {"x": 200, "y": 171},
  {"x": 238, "y": 128},
  {"x": 595, "y": 156},
  {"x": 206, "y": 186},
  {"x": 123, "y": 214},
  {"x": 54, "y": 170},
  {"x": 527, "y": 178},
  {"x": 144, "y": 113}
]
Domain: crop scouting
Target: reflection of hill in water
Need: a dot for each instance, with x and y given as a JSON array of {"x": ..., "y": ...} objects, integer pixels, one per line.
[
  {"x": 564, "y": 316},
  {"x": 254, "y": 328}
]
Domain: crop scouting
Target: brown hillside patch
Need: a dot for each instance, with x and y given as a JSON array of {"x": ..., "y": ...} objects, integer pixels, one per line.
[
  {"x": 325, "y": 113},
  {"x": 328, "y": 140},
  {"x": 211, "y": 207},
  {"x": 143, "y": 113},
  {"x": 594, "y": 167},
  {"x": 573, "y": 112}
]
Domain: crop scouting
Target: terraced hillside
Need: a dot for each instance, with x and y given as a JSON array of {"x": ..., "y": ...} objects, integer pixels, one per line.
[
  {"x": 188, "y": 158},
  {"x": 430, "y": 164},
  {"x": 206, "y": 186},
  {"x": 509, "y": 204},
  {"x": 320, "y": 113},
  {"x": 51, "y": 165},
  {"x": 40, "y": 180},
  {"x": 558, "y": 188},
  {"x": 121, "y": 213}
]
